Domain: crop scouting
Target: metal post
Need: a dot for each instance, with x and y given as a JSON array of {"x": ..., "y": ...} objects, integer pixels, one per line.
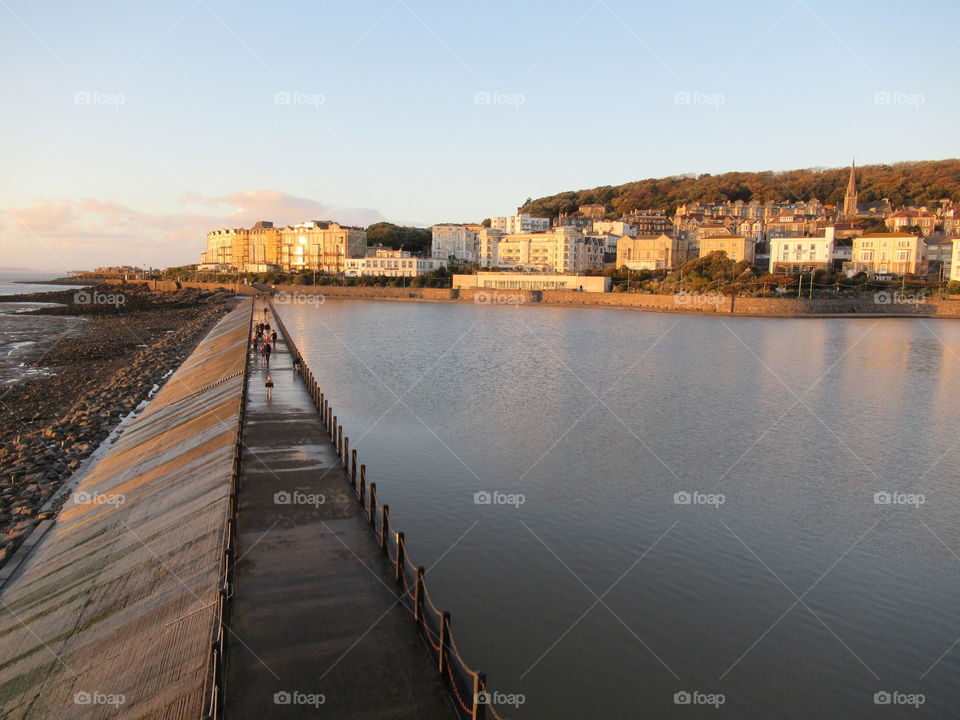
[
  {"x": 479, "y": 694},
  {"x": 363, "y": 480},
  {"x": 372, "y": 517},
  {"x": 418, "y": 596},
  {"x": 444, "y": 642},
  {"x": 400, "y": 558},
  {"x": 384, "y": 527}
]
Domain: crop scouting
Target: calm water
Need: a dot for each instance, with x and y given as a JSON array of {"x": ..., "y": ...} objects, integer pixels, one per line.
[
  {"x": 798, "y": 597},
  {"x": 25, "y": 338}
]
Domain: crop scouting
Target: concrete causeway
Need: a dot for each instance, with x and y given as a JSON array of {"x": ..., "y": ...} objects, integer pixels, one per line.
[{"x": 315, "y": 611}]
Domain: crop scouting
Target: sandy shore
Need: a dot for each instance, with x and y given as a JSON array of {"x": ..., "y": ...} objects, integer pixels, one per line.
[{"x": 50, "y": 424}]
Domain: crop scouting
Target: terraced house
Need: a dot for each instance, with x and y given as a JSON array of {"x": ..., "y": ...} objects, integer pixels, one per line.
[{"x": 887, "y": 253}]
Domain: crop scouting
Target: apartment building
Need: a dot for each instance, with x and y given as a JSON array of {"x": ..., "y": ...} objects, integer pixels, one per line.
[
  {"x": 519, "y": 223},
  {"x": 802, "y": 254},
  {"x": 227, "y": 249},
  {"x": 453, "y": 241},
  {"x": 385, "y": 262},
  {"x": 887, "y": 253},
  {"x": 564, "y": 250},
  {"x": 926, "y": 221},
  {"x": 737, "y": 247},
  {"x": 651, "y": 252}
]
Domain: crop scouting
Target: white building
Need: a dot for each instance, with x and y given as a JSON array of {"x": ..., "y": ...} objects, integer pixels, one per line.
[
  {"x": 563, "y": 250},
  {"x": 799, "y": 254},
  {"x": 519, "y": 223},
  {"x": 383, "y": 262},
  {"x": 614, "y": 227},
  {"x": 533, "y": 281},
  {"x": 454, "y": 241}
]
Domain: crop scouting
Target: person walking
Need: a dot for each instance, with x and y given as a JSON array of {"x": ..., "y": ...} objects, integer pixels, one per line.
[
  {"x": 273, "y": 337},
  {"x": 269, "y": 387},
  {"x": 266, "y": 352}
]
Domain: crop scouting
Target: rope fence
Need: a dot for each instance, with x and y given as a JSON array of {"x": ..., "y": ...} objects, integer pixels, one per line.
[{"x": 468, "y": 687}]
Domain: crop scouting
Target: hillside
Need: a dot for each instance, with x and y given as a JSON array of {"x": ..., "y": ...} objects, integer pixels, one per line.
[{"x": 906, "y": 183}]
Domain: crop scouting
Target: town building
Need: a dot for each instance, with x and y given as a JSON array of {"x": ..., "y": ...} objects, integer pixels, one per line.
[
  {"x": 227, "y": 249},
  {"x": 532, "y": 281},
  {"x": 651, "y": 252},
  {"x": 926, "y": 221},
  {"x": 319, "y": 245},
  {"x": 563, "y": 249},
  {"x": 886, "y": 254},
  {"x": 595, "y": 211},
  {"x": 736, "y": 247},
  {"x": 850, "y": 206},
  {"x": 614, "y": 227},
  {"x": 452, "y": 241},
  {"x": 802, "y": 254},
  {"x": 578, "y": 221},
  {"x": 648, "y": 222},
  {"x": 384, "y": 262},
  {"x": 519, "y": 223}
]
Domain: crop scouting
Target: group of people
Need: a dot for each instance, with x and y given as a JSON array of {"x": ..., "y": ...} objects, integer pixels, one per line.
[{"x": 264, "y": 338}]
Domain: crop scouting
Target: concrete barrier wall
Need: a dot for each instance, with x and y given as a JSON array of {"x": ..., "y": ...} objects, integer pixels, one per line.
[
  {"x": 125, "y": 584},
  {"x": 946, "y": 306}
]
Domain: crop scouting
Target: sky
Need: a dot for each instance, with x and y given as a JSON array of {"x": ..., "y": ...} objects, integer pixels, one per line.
[{"x": 131, "y": 128}]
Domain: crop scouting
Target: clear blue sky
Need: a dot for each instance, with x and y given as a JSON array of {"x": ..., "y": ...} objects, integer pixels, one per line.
[{"x": 130, "y": 127}]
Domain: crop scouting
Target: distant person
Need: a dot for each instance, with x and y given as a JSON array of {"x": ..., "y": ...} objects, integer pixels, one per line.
[
  {"x": 266, "y": 352},
  {"x": 297, "y": 364},
  {"x": 273, "y": 337},
  {"x": 269, "y": 387}
]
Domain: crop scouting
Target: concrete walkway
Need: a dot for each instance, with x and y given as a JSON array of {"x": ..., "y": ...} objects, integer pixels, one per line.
[{"x": 317, "y": 628}]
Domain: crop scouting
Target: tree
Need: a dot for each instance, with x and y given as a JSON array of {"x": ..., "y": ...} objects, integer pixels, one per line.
[{"x": 416, "y": 240}]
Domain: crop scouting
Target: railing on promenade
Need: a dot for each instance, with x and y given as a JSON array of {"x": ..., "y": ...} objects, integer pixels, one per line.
[
  {"x": 467, "y": 686},
  {"x": 213, "y": 695}
]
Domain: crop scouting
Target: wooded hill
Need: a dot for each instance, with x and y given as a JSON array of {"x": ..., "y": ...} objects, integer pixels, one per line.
[{"x": 906, "y": 183}]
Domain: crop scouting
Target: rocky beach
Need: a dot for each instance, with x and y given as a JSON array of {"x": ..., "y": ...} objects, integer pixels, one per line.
[{"x": 129, "y": 342}]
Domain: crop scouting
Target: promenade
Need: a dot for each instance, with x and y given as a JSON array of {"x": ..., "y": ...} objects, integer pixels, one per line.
[{"x": 316, "y": 623}]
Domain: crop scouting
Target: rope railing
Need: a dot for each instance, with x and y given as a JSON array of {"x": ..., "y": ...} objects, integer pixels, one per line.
[
  {"x": 214, "y": 692},
  {"x": 467, "y": 687}
]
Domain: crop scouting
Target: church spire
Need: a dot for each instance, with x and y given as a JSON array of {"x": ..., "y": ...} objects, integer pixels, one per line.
[{"x": 850, "y": 198}]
